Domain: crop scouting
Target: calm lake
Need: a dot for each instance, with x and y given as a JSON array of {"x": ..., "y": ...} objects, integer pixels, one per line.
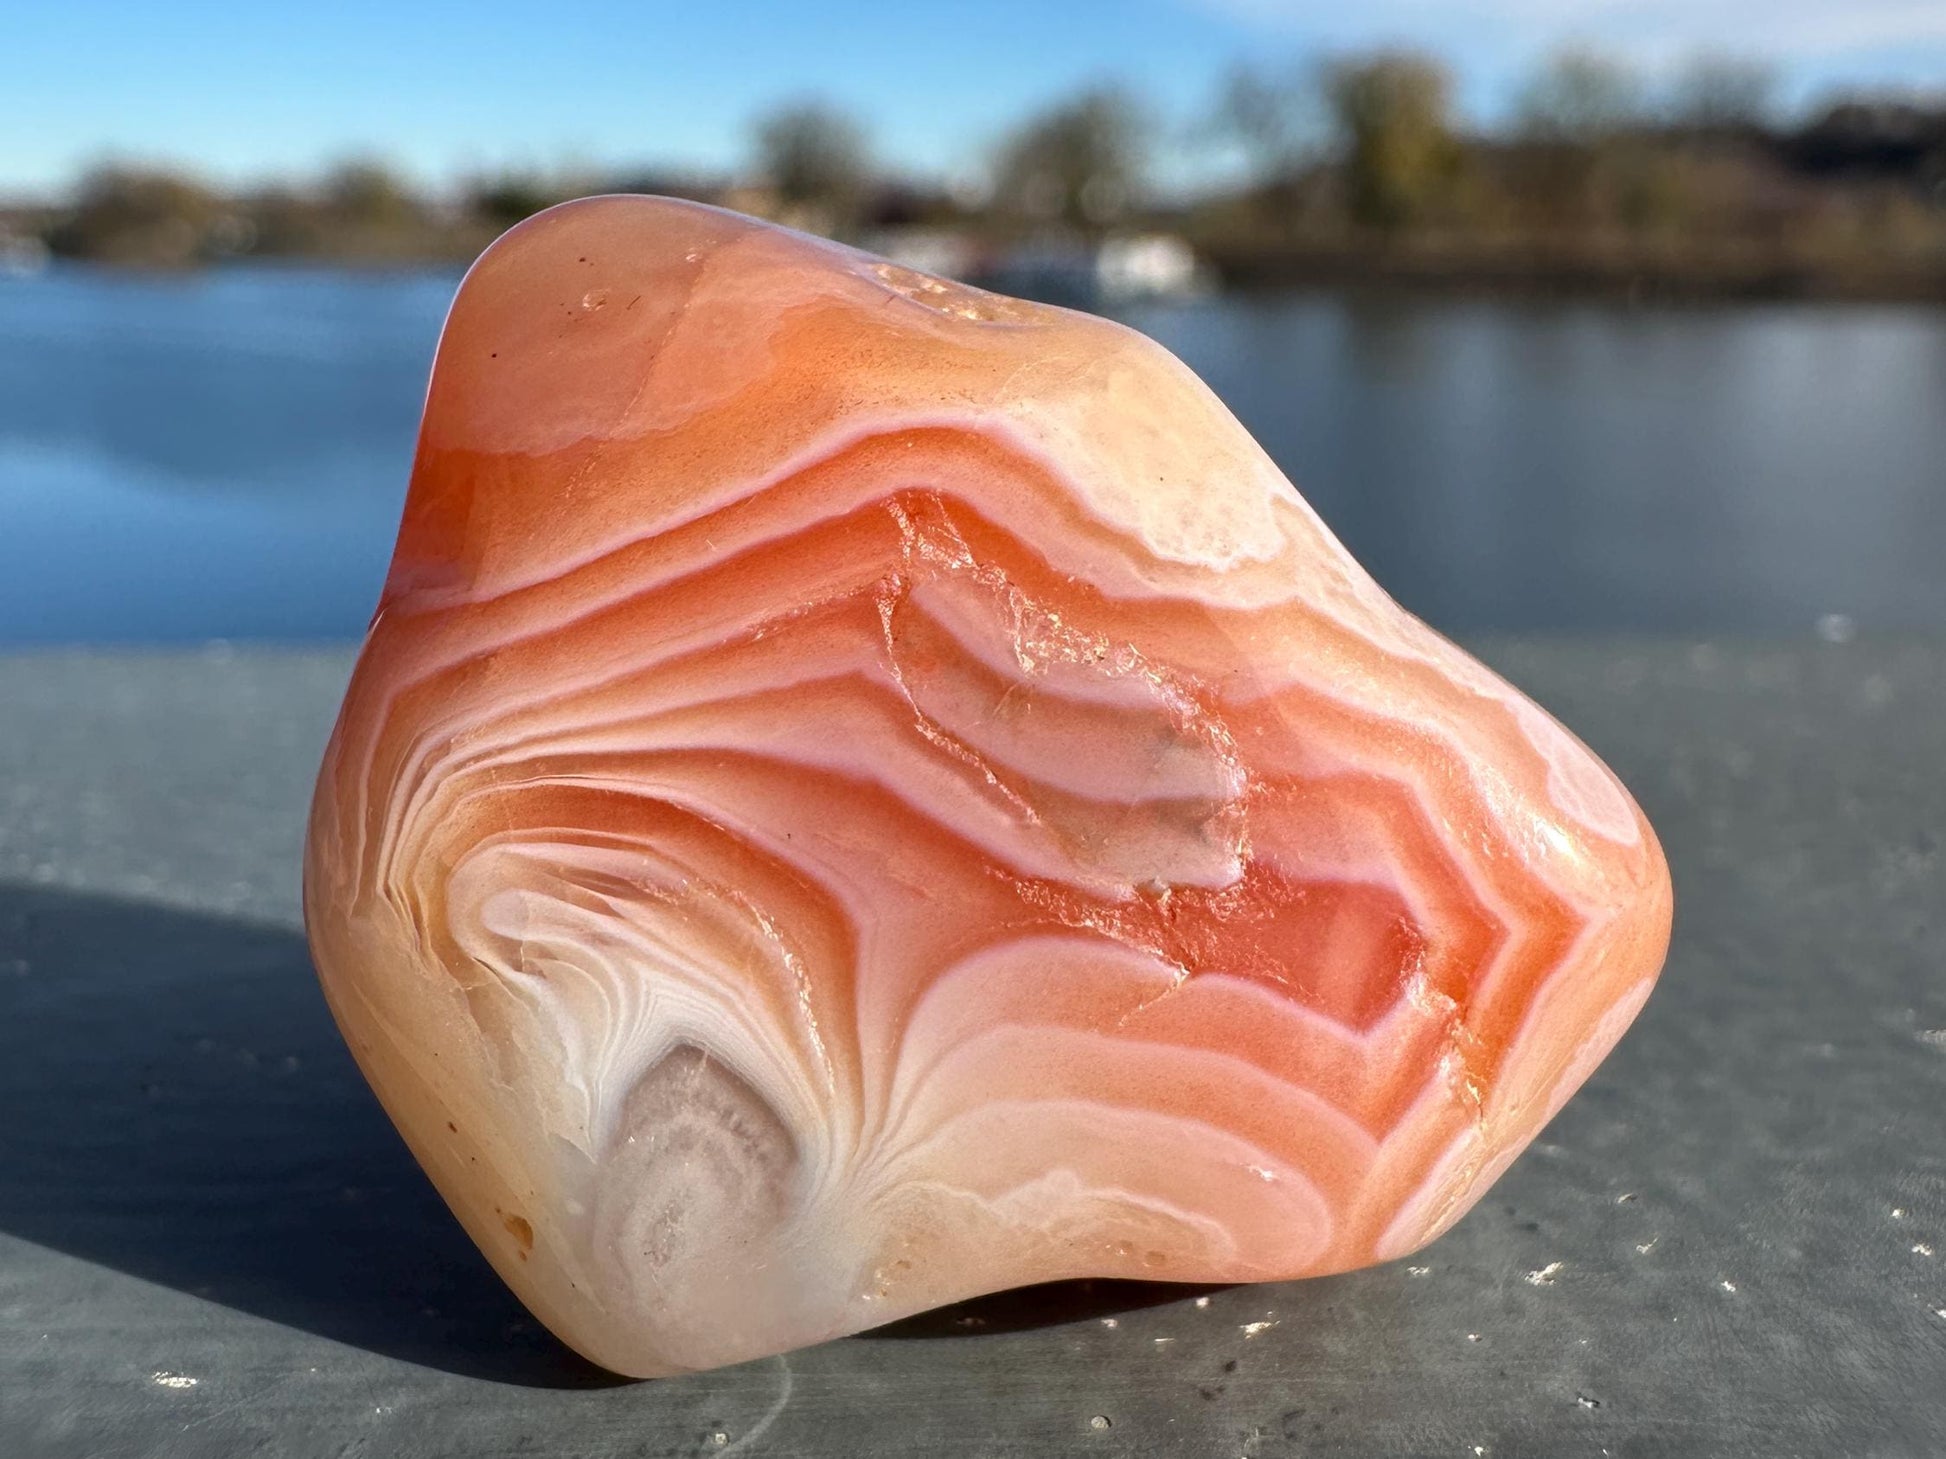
[{"x": 224, "y": 455}]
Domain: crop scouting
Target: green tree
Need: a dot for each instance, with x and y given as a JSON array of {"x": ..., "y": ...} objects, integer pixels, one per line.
[
  {"x": 505, "y": 200},
  {"x": 1392, "y": 115},
  {"x": 1723, "y": 94},
  {"x": 1083, "y": 163},
  {"x": 1594, "y": 160},
  {"x": 1580, "y": 98},
  {"x": 144, "y": 216},
  {"x": 1275, "y": 119},
  {"x": 366, "y": 192},
  {"x": 817, "y": 159}
]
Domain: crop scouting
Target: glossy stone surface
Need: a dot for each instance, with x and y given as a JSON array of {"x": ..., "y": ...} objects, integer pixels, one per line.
[{"x": 861, "y": 792}]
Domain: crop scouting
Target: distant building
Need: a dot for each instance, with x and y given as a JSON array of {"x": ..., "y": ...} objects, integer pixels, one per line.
[{"x": 1899, "y": 140}]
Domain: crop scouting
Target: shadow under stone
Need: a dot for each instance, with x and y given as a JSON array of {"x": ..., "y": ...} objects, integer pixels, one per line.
[
  {"x": 176, "y": 1103},
  {"x": 1050, "y": 1304}
]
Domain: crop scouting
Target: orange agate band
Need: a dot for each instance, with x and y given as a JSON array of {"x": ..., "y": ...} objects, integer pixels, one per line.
[{"x": 861, "y": 792}]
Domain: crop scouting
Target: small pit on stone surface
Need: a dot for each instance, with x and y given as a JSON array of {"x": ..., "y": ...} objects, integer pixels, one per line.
[{"x": 522, "y": 1230}]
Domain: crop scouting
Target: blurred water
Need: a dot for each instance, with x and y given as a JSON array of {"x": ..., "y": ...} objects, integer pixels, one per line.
[
  {"x": 1591, "y": 467},
  {"x": 224, "y": 455}
]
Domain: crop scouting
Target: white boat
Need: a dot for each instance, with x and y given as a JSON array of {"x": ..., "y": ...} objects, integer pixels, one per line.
[
  {"x": 1118, "y": 270},
  {"x": 1149, "y": 266}
]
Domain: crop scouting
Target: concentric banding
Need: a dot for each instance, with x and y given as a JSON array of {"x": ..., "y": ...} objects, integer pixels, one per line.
[{"x": 860, "y": 793}]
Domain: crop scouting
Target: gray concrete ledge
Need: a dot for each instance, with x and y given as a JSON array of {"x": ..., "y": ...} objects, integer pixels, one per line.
[{"x": 211, "y": 1242}]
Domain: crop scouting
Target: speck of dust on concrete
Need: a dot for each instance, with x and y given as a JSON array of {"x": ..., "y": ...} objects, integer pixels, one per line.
[
  {"x": 1546, "y": 1275},
  {"x": 1099, "y": 1422},
  {"x": 173, "y": 1380}
]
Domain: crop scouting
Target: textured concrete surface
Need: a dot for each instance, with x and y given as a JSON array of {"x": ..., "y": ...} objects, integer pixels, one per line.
[{"x": 1732, "y": 1242}]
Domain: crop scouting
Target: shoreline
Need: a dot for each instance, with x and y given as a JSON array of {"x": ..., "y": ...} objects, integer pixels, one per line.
[
  {"x": 1515, "y": 271},
  {"x": 1628, "y": 274}
]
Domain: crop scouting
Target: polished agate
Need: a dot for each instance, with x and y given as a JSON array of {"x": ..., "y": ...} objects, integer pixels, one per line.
[{"x": 861, "y": 792}]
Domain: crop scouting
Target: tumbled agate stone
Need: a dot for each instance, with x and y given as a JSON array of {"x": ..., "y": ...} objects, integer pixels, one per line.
[{"x": 862, "y": 792}]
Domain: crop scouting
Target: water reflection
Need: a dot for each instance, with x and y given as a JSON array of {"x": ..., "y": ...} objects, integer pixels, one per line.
[
  {"x": 1592, "y": 467},
  {"x": 223, "y": 455}
]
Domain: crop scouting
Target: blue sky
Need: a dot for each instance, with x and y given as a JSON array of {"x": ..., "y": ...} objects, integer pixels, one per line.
[{"x": 243, "y": 90}]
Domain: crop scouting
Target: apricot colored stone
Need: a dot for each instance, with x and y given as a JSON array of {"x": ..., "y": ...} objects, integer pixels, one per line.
[{"x": 861, "y": 792}]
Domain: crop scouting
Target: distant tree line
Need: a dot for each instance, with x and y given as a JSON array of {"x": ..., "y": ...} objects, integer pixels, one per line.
[
  {"x": 1356, "y": 157},
  {"x": 1590, "y": 144}
]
